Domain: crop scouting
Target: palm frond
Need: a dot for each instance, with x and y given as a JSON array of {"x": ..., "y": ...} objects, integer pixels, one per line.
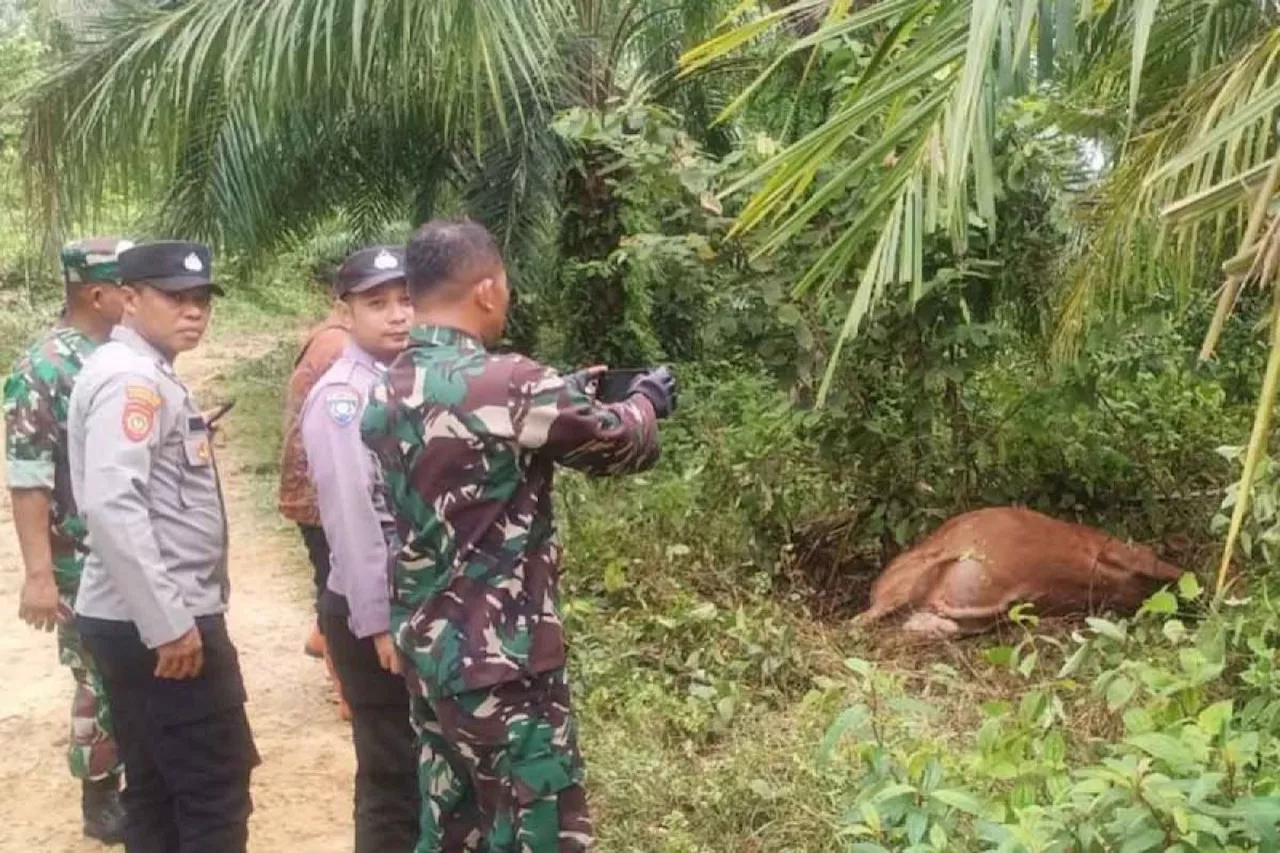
[
  {"x": 128, "y": 104},
  {"x": 1183, "y": 184},
  {"x": 514, "y": 188},
  {"x": 927, "y": 99}
]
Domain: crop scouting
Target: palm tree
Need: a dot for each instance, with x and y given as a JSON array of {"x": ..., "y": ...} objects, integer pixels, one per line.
[
  {"x": 1183, "y": 94},
  {"x": 231, "y": 110},
  {"x": 253, "y": 120},
  {"x": 621, "y": 54}
]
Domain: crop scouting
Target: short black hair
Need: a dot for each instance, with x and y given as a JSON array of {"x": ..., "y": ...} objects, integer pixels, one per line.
[{"x": 447, "y": 250}]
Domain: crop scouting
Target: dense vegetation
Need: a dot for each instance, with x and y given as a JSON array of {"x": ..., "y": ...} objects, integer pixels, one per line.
[{"x": 917, "y": 266}]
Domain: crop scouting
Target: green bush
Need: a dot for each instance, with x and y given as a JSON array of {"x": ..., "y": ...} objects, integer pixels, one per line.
[{"x": 1152, "y": 734}]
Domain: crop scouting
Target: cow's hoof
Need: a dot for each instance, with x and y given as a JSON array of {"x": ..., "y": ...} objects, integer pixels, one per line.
[{"x": 929, "y": 624}]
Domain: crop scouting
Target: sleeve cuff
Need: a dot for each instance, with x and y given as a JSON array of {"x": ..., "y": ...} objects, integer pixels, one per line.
[
  {"x": 29, "y": 474},
  {"x": 367, "y": 623},
  {"x": 165, "y": 629}
]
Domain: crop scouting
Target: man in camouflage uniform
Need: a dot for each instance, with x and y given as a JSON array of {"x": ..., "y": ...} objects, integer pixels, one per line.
[
  {"x": 51, "y": 534},
  {"x": 468, "y": 441}
]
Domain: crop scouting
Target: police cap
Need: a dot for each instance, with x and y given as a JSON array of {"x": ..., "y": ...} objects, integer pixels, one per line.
[
  {"x": 93, "y": 260},
  {"x": 169, "y": 265},
  {"x": 369, "y": 268}
]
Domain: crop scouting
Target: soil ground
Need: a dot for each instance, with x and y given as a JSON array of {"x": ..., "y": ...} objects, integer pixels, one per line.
[{"x": 302, "y": 790}]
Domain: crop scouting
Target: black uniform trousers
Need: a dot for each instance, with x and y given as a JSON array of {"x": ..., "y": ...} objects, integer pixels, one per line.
[
  {"x": 386, "y": 795},
  {"x": 186, "y": 745},
  {"x": 318, "y": 553}
]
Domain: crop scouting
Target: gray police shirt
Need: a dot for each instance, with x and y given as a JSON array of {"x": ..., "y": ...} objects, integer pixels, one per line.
[
  {"x": 144, "y": 479},
  {"x": 349, "y": 490}
]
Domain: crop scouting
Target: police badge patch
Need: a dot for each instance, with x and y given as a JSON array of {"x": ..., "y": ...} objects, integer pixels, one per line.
[
  {"x": 342, "y": 404},
  {"x": 139, "y": 415}
]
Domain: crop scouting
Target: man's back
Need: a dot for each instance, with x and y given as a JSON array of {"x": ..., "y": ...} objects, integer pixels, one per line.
[{"x": 468, "y": 443}]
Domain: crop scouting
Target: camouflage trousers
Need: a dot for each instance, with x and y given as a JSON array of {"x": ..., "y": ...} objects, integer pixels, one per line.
[
  {"x": 499, "y": 769},
  {"x": 91, "y": 750}
]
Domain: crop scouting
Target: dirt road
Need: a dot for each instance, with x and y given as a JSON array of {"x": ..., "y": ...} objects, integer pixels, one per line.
[{"x": 302, "y": 791}]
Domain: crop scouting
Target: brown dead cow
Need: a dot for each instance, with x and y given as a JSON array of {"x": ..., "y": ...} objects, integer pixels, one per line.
[{"x": 967, "y": 574}]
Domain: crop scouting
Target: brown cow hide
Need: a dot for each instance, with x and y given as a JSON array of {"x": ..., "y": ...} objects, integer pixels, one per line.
[{"x": 966, "y": 575}]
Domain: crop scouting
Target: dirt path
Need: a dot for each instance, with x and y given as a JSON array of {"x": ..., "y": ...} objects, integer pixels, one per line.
[{"x": 302, "y": 791}]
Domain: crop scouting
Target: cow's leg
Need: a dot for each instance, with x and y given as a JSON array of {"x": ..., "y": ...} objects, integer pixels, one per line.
[
  {"x": 906, "y": 582},
  {"x": 968, "y": 597}
]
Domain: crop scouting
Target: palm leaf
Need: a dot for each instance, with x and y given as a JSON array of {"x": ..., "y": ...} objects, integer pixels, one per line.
[{"x": 126, "y": 106}]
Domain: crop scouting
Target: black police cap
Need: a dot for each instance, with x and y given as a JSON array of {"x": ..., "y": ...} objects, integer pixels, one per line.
[
  {"x": 169, "y": 265},
  {"x": 369, "y": 268}
]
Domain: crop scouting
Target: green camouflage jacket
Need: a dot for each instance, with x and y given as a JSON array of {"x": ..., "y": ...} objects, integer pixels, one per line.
[
  {"x": 35, "y": 417},
  {"x": 468, "y": 442}
]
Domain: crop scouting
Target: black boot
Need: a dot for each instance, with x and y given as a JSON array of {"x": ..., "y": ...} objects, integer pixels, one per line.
[{"x": 103, "y": 812}]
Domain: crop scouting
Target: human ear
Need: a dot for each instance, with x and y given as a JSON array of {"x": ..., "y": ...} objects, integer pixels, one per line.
[
  {"x": 345, "y": 315},
  {"x": 486, "y": 295}
]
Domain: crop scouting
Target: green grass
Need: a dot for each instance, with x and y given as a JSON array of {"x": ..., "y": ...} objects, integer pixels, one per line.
[
  {"x": 268, "y": 300},
  {"x": 759, "y": 789}
]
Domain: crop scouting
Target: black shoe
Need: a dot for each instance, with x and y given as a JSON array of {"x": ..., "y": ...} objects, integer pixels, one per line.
[{"x": 103, "y": 811}]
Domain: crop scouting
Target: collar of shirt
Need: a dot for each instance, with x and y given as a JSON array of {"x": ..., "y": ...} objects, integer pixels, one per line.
[
  {"x": 71, "y": 334},
  {"x": 444, "y": 336},
  {"x": 138, "y": 343},
  {"x": 354, "y": 352}
]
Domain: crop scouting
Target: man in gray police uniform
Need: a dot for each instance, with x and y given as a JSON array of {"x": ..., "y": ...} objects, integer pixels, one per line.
[
  {"x": 355, "y": 608},
  {"x": 155, "y": 588}
]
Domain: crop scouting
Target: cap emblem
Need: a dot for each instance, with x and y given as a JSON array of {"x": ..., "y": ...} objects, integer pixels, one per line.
[
  {"x": 385, "y": 261},
  {"x": 192, "y": 263}
]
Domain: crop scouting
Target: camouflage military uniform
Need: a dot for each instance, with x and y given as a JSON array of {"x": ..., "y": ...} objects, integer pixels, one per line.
[
  {"x": 468, "y": 442},
  {"x": 35, "y": 407}
]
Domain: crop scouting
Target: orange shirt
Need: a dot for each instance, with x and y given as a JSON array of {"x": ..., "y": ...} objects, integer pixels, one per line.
[{"x": 324, "y": 345}]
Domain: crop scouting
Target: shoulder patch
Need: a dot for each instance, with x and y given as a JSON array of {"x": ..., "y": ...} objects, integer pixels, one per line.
[
  {"x": 343, "y": 404},
  {"x": 140, "y": 406},
  {"x": 136, "y": 392}
]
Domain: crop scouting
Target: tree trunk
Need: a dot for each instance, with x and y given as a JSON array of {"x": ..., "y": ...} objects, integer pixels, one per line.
[{"x": 593, "y": 293}]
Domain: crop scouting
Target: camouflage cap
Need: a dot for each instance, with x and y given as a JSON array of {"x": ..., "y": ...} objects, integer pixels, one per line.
[{"x": 94, "y": 259}]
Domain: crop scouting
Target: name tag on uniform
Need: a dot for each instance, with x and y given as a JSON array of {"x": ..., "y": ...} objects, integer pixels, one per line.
[{"x": 196, "y": 442}]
